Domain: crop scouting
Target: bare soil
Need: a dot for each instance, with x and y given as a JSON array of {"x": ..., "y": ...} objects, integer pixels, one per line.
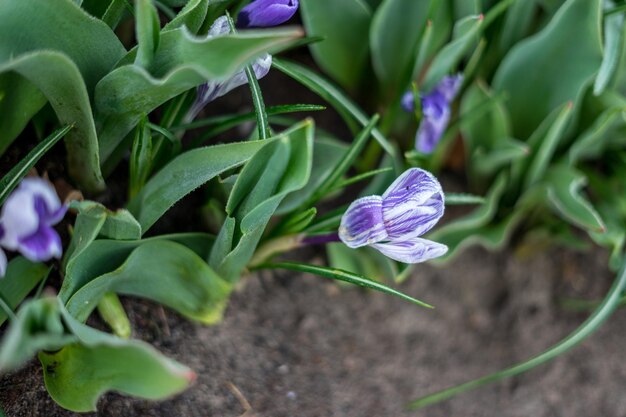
[{"x": 294, "y": 345}]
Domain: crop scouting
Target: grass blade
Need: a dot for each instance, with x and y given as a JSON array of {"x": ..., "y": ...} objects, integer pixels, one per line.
[
  {"x": 19, "y": 171},
  {"x": 341, "y": 275}
]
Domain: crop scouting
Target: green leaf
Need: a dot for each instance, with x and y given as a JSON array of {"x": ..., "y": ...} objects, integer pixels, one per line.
[
  {"x": 563, "y": 186},
  {"x": 344, "y": 25},
  {"x": 344, "y": 163},
  {"x": 348, "y": 110},
  {"x": 60, "y": 81},
  {"x": 181, "y": 62},
  {"x": 546, "y": 148},
  {"x": 184, "y": 174},
  {"x": 455, "y": 199},
  {"x": 192, "y": 16},
  {"x": 103, "y": 256},
  {"x": 147, "y": 32},
  {"x": 81, "y": 363},
  {"x": 461, "y": 232},
  {"x": 296, "y": 223},
  {"x": 140, "y": 158},
  {"x": 599, "y": 316},
  {"x": 614, "y": 34},
  {"x": 551, "y": 67},
  {"x": 163, "y": 271},
  {"x": 592, "y": 141},
  {"x": 19, "y": 171},
  {"x": 364, "y": 261},
  {"x": 20, "y": 279},
  {"x": 260, "y": 188},
  {"x": 327, "y": 152},
  {"x": 115, "y": 12},
  {"x": 395, "y": 32},
  {"x": 341, "y": 275}
]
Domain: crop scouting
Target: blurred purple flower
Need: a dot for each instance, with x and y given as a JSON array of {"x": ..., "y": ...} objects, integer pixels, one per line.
[
  {"x": 26, "y": 222},
  {"x": 435, "y": 112},
  {"x": 211, "y": 90},
  {"x": 266, "y": 13},
  {"x": 393, "y": 223}
]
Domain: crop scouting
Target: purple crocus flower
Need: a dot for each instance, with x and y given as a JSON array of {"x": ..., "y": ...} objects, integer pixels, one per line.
[
  {"x": 393, "y": 223},
  {"x": 266, "y": 13},
  {"x": 435, "y": 111},
  {"x": 26, "y": 222},
  {"x": 211, "y": 90}
]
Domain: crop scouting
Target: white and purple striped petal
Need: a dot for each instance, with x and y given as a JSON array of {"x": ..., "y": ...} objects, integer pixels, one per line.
[
  {"x": 266, "y": 13},
  {"x": 26, "y": 220},
  {"x": 362, "y": 224},
  {"x": 412, "y": 205},
  {"x": 412, "y": 251}
]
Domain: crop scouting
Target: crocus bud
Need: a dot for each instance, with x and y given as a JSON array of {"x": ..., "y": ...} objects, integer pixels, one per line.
[
  {"x": 266, "y": 13},
  {"x": 435, "y": 112},
  {"x": 392, "y": 224},
  {"x": 211, "y": 90},
  {"x": 27, "y": 218}
]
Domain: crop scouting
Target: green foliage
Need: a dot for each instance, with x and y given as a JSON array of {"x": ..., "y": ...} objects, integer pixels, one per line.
[{"x": 20, "y": 279}]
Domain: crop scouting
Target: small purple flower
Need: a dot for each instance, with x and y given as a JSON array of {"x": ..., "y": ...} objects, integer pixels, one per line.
[
  {"x": 211, "y": 90},
  {"x": 266, "y": 13},
  {"x": 26, "y": 222},
  {"x": 393, "y": 223},
  {"x": 435, "y": 111}
]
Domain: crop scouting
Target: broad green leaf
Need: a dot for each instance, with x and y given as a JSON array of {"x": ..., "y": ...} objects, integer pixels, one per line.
[
  {"x": 19, "y": 171},
  {"x": 81, "y": 363},
  {"x": 344, "y": 25},
  {"x": 147, "y": 32},
  {"x": 327, "y": 152},
  {"x": 517, "y": 23},
  {"x": 20, "y": 100},
  {"x": 348, "y": 110},
  {"x": 163, "y": 271},
  {"x": 60, "y": 81},
  {"x": 62, "y": 26},
  {"x": 396, "y": 29},
  {"x": 551, "y": 67},
  {"x": 614, "y": 33},
  {"x": 563, "y": 185},
  {"x": 103, "y": 256},
  {"x": 20, "y": 279},
  {"x": 346, "y": 276},
  {"x": 38, "y": 326},
  {"x": 184, "y": 174},
  {"x": 599, "y": 316},
  {"x": 181, "y": 62},
  {"x": 259, "y": 190}
]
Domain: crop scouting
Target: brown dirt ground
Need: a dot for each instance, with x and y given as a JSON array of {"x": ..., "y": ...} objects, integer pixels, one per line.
[{"x": 300, "y": 346}]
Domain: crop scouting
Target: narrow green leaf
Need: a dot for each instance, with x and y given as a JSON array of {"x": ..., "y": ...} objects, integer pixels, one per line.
[
  {"x": 547, "y": 147},
  {"x": 593, "y": 323},
  {"x": 112, "y": 312},
  {"x": 19, "y": 171},
  {"x": 345, "y": 162},
  {"x": 614, "y": 34},
  {"x": 455, "y": 199},
  {"x": 326, "y": 90},
  {"x": 592, "y": 142},
  {"x": 147, "y": 32},
  {"x": 296, "y": 223},
  {"x": 360, "y": 177},
  {"x": 345, "y": 276},
  {"x": 140, "y": 158}
]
